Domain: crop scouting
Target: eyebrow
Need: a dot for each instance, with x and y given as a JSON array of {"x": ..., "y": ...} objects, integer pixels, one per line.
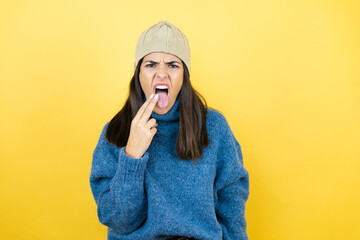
[{"x": 154, "y": 62}]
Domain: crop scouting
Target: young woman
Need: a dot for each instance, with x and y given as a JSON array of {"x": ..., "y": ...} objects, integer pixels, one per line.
[{"x": 167, "y": 166}]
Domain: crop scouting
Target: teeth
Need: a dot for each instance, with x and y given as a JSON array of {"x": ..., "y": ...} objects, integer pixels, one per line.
[{"x": 161, "y": 87}]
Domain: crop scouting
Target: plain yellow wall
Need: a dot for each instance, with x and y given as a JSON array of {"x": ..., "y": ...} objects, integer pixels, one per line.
[{"x": 286, "y": 75}]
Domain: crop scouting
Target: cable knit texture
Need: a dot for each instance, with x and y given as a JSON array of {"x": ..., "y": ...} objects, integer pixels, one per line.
[{"x": 160, "y": 195}]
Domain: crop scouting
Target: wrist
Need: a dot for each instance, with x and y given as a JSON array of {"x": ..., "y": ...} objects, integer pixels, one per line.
[{"x": 130, "y": 154}]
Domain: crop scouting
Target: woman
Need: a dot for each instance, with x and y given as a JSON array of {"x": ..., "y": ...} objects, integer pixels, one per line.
[{"x": 166, "y": 166}]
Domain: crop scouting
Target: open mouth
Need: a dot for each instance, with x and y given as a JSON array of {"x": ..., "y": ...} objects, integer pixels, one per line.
[{"x": 163, "y": 92}]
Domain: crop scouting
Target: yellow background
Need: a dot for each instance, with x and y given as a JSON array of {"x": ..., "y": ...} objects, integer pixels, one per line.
[{"x": 286, "y": 75}]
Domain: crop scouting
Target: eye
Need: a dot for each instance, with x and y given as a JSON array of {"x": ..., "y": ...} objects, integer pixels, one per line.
[
  {"x": 173, "y": 66},
  {"x": 150, "y": 65}
]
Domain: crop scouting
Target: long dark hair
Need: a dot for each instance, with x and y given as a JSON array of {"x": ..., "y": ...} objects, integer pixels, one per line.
[{"x": 192, "y": 136}]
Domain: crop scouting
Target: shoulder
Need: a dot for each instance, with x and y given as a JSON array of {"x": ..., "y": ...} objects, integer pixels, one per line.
[
  {"x": 215, "y": 116},
  {"x": 228, "y": 150},
  {"x": 219, "y": 130},
  {"x": 216, "y": 119}
]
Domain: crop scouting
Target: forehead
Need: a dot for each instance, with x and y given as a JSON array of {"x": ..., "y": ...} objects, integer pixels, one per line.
[{"x": 157, "y": 56}]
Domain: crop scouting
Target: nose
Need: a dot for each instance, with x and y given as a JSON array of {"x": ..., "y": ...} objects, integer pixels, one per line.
[{"x": 161, "y": 72}]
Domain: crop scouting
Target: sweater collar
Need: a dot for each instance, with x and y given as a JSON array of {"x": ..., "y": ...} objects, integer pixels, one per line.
[{"x": 172, "y": 115}]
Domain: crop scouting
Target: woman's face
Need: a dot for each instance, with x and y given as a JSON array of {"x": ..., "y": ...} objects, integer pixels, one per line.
[{"x": 161, "y": 73}]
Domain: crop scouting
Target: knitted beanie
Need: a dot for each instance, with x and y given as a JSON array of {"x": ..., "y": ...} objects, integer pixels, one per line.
[{"x": 163, "y": 37}]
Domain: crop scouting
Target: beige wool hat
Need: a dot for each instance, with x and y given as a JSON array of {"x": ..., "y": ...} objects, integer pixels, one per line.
[{"x": 163, "y": 37}]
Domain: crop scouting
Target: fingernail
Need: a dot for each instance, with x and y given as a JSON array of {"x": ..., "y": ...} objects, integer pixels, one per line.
[
  {"x": 156, "y": 96},
  {"x": 151, "y": 96}
]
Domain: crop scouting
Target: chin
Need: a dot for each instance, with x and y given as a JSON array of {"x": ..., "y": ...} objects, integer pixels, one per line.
[{"x": 161, "y": 111}]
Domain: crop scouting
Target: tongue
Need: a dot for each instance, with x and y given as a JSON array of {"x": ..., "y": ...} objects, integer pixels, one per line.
[{"x": 163, "y": 99}]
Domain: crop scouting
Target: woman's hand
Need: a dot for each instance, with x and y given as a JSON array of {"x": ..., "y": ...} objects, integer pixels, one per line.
[{"x": 142, "y": 129}]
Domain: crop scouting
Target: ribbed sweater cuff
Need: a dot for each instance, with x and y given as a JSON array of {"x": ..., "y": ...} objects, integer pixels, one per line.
[{"x": 130, "y": 169}]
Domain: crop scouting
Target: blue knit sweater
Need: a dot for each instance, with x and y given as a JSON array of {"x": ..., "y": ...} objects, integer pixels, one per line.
[{"x": 159, "y": 195}]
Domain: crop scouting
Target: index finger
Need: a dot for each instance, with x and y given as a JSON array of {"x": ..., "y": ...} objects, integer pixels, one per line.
[
  {"x": 148, "y": 109},
  {"x": 142, "y": 108}
]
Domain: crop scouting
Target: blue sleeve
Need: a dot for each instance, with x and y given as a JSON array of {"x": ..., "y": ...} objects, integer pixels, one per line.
[
  {"x": 117, "y": 184},
  {"x": 231, "y": 186}
]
